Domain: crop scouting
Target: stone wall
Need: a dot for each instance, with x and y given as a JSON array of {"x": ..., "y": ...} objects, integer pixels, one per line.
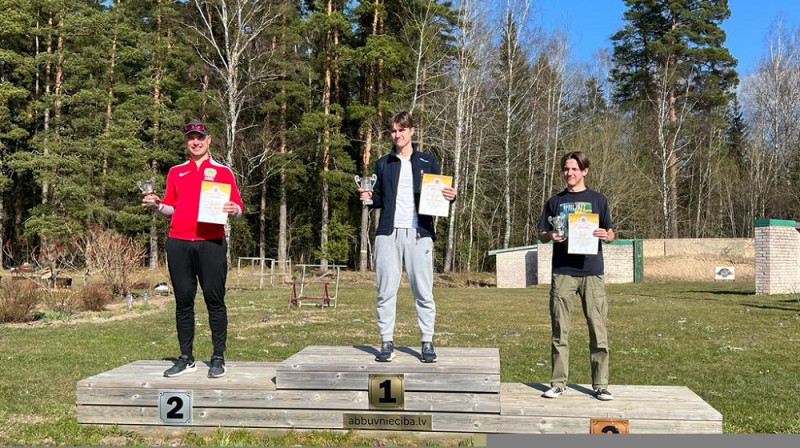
[
  {"x": 618, "y": 260},
  {"x": 520, "y": 267},
  {"x": 777, "y": 248},
  {"x": 516, "y": 267}
]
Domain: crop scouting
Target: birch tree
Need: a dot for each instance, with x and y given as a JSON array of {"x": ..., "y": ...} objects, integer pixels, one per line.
[
  {"x": 513, "y": 89},
  {"x": 771, "y": 100},
  {"x": 472, "y": 46},
  {"x": 224, "y": 35}
]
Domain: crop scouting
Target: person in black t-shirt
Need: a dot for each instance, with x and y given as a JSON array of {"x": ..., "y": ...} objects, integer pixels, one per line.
[{"x": 580, "y": 275}]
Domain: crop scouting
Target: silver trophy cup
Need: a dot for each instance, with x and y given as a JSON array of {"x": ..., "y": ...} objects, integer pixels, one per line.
[
  {"x": 146, "y": 186},
  {"x": 366, "y": 184},
  {"x": 559, "y": 224}
]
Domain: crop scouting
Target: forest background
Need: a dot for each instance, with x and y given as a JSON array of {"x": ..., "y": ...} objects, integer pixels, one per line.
[{"x": 298, "y": 94}]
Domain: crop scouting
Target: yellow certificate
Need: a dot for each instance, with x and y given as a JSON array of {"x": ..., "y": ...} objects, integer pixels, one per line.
[
  {"x": 581, "y": 227},
  {"x": 213, "y": 195},
  {"x": 431, "y": 201}
]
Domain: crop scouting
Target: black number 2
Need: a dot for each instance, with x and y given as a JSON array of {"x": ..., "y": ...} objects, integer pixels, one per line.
[
  {"x": 178, "y": 405},
  {"x": 387, "y": 392}
]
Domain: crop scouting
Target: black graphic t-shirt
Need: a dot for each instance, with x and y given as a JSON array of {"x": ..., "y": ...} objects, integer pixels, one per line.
[{"x": 564, "y": 203}]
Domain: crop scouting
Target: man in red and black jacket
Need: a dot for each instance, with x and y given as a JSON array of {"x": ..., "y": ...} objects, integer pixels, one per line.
[{"x": 197, "y": 251}]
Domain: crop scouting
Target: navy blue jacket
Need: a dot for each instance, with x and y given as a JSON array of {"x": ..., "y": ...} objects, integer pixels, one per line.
[{"x": 384, "y": 194}]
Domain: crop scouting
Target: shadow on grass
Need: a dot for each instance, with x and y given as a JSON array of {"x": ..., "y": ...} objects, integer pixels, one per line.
[
  {"x": 727, "y": 293},
  {"x": 773, "y": 306}
]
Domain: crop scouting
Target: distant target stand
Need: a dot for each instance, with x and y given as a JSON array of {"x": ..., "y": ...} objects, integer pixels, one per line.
[{"x": 724, "y": 273}]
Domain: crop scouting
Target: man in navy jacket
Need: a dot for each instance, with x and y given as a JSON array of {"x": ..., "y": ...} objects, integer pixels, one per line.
[{"x": 404, "y": 236}]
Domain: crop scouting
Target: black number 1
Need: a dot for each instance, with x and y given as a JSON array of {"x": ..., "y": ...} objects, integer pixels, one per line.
[
  {"x": 387, "y": 392},
  {"x": 178, "y": 406}
]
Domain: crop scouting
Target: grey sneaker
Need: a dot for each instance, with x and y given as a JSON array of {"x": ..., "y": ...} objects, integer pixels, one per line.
[
  {"x": 184, "y": 364},
  {"x": 387, "y": 352},
  {"x": 217, "y": 368},
  {"x": 428, "y": 354},
  {"x": 603, "y": 394},
  {"x": 554, "y": 392}
]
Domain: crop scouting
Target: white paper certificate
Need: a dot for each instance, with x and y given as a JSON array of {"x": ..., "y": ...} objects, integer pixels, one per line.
[
  {"x": 581, "y": 227},
  {"x": 431, "y": 201},
  {"x": 213, "y": 195}
]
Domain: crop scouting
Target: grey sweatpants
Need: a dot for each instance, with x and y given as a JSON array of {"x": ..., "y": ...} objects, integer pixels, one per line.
[{"x": 391, "y": 252}]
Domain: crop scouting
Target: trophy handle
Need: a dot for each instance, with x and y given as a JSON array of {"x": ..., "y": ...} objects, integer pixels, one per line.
[{"x": 358, "y": 180}]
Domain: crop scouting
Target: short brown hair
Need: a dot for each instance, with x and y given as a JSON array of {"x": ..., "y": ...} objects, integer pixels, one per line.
[
  {"x": 578, "y": 156},
  {"x": 403, "y": 119}
]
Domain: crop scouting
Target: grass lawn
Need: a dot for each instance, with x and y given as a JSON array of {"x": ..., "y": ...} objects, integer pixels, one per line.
[{"x": 738, "y": 351}]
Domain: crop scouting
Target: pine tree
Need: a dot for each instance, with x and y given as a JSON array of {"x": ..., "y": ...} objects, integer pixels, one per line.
[{"x": 670, "y": 62}]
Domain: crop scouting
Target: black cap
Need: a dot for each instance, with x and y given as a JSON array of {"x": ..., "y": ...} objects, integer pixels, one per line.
[{"x": 195, "y": 126}]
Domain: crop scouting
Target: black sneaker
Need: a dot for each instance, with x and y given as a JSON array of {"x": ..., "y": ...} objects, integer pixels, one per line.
[
  {"x": 217, "y": 368},
  {"x": 387, "y": 352},
  {"x": 603, "y": 394},
  {"x": 428, "y": 354},
  {"x": 184, "y": 364}
]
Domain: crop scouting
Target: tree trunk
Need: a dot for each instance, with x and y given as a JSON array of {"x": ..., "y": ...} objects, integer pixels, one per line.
[
  {"x": 673, "y": 173},
  {"x": 157, "y": 54},
  {"x": 326, "y": 140},
  {"x": 507, "y": 162},
  {"x": 366, "y": 149},
  {"x": 110, "y": 94},
  {"x": 47, "y": 91},
  {"x": 462, "y": 105},
  {"x": 421, "y": 114},
  {"x": 112, "y": 66},
  {"x": 262, "y": 211},
  {"x": 282, "y": 211},
  {"x": 154, "y": 226}
]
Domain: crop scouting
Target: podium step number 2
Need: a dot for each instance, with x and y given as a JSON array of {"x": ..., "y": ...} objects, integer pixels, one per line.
[{"x": 175, "y": 407}]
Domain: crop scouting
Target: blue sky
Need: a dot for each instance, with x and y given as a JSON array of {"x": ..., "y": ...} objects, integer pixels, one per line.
[{"x": 590, "y": 23}]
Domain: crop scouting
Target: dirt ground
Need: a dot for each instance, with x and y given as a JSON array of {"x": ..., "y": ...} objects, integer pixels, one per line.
[
  {"x": 695, "y": 268},
  {"x": 664, "y": 269}
]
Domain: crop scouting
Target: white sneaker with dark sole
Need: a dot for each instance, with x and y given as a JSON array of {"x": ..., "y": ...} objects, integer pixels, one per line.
[
  {"x": 603, "y": 394},
  {"x": 554, "y": 392}
]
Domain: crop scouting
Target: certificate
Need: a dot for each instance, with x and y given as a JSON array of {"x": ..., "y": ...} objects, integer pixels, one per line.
[
  {"x": 431, "y": 201},
  {"x": 213, "y": 195},
  {"x": 581, "y": 240}
]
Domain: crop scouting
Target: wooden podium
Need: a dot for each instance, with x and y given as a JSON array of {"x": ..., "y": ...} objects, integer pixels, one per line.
[{"x": 343, "y": 388}]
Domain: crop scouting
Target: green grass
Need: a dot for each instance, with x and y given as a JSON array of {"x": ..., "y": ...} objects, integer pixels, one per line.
[{"x": 738, "y": 351}]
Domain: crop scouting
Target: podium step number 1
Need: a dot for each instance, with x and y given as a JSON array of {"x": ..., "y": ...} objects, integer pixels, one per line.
[{"x": 386, "y": 391}]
